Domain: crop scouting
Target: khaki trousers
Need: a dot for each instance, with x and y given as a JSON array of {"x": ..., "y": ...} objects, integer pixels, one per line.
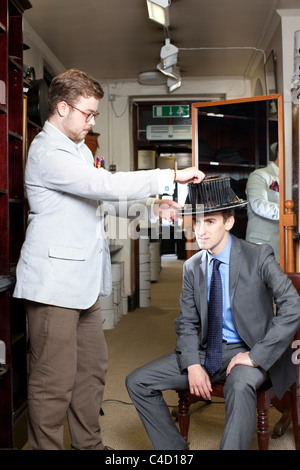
[{"x": 68, "y": 363}]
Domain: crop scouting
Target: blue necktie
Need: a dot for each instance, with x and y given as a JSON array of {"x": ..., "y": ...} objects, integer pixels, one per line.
[{"x": 213, "y": 358}]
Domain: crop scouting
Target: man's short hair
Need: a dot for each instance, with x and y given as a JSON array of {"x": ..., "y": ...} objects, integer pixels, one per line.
[
  {"x": 226, "y": 213},
  {"x": 71, "y": 85}
]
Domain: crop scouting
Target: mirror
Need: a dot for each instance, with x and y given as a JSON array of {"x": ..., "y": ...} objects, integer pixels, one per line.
[{"x": 233, "y": 138}]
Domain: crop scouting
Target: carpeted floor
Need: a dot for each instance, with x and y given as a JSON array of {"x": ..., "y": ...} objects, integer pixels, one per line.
[{"x": 143, "y": 335}]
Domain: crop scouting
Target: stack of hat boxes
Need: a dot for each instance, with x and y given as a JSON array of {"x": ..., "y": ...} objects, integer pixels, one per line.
[
  {"x": 154, "y": 249},
  {"x": 149, "y": 257},
  {"x": 144, "y": 270},
  {"x": 114, "y": 306},
  {"x": 149, "y": 268}
]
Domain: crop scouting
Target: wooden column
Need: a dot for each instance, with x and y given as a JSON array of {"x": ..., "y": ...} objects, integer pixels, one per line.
[
  {"x": 289, "y": 221},
  {"x": 295, "y": 159}
]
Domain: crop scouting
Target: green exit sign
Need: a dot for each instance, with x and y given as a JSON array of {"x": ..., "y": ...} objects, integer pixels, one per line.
[{"x": 173, "y": 111}]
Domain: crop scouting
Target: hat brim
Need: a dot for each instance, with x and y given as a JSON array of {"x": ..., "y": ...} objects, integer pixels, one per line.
[{"x": 188, "y": 210}]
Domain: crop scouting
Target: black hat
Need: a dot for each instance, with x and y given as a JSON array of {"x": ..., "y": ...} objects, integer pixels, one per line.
[{"x": 211, "y": 195}]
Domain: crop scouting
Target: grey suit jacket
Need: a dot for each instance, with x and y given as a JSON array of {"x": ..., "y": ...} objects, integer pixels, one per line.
[{"x": 255, "y": 279}]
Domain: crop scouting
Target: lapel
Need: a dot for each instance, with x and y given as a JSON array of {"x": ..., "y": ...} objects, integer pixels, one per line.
[
  {"x": 234, "y": 266},
  {"x": 64, "y": 143},
  {"x": 201, "y": 293}
]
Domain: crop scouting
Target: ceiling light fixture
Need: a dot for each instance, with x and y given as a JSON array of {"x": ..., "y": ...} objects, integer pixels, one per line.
[
  {"x": 168, "y": 55},
  {"x": 158, "y": 11},
  {"x": 152, "y": 77},
  {"x": 173, "y": 84},
  {"x": 172, "y": 72}
]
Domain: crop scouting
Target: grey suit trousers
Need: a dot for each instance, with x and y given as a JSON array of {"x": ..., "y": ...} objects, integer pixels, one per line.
[{"x": 145, "y": 386}]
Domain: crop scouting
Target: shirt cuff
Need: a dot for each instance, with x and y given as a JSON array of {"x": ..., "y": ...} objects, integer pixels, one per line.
[
  {"x": 166, "y": 181},
  {"x": 254, "y": 363}
]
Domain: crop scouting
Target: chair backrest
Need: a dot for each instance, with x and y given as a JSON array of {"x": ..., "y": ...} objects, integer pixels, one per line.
[
  {"x": 295, "y": 278},
  {"x": 290, "y": 223}
]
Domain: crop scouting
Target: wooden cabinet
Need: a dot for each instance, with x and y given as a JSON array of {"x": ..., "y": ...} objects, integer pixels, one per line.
[
  {"x": 234, "y": 135},
  {"x": 233, "y": 138},
  {"x": 13, "y": 370}
]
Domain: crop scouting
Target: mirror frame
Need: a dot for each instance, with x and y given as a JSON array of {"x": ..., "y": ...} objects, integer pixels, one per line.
[{"x": 195, "y": 162}]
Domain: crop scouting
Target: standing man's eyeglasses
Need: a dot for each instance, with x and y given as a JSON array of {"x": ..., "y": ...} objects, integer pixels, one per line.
[{"x": 88, "y": 116}]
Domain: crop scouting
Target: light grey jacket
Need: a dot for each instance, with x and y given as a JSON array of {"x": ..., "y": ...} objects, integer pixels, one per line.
[
  {"x": 263, "y": 207},
  {"x": 254, "y": 279},
  {"x": 65, "y": 258}
]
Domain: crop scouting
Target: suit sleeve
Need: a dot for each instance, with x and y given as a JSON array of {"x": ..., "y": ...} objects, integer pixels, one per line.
[
  {"x": 257, "y": 194},
  {"x": 287, "y": 319},
  {"x": 60, "y": 171},
  {"x": 187, "y": 325}
]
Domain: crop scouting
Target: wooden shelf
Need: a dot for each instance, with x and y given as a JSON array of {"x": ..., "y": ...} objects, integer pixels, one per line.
[
  {"x": 226, "y": 116},
  {"x": 13, "y": 384},
  {"x": 2, "y": 28},
  {"x": 15, "y": 61},
  {"x": 15, "y": 135},
  {"x": 229, "y": 165}
]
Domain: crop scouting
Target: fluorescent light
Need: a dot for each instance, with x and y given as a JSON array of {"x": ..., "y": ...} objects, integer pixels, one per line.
[
  {"x": 158, "y": 11},
  {"x": 172, "y": 72},
  {"x": 215, "y": 115},
  {"x": 173, "y": 84}
]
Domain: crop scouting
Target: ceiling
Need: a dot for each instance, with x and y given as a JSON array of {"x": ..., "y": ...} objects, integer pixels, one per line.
[{"x": 115, "y": 40}]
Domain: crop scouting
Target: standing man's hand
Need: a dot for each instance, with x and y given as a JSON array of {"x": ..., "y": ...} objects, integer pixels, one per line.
[
  {"x": 166, "y": 209},
  {"x": 199, "y": 382},
  {"x": 189, "y": 175}
]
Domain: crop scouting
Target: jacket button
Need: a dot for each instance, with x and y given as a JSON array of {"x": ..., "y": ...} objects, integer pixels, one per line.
[{"x": 100, "y": 251}]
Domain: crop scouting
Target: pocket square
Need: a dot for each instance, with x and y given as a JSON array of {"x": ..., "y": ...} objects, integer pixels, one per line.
[
  {"x": 99, "y": 162},
  {"x": 274, "y": 186}
]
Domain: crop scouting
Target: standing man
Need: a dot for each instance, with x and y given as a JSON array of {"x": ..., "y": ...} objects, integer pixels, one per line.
[
  {"x": 64, "y": 264},
  {"x": 250, "y": 345},
  {"x": 263, "y": 209}
]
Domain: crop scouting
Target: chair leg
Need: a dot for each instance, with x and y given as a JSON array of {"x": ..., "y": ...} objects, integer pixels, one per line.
[
  {"x": 263, "y": 429},
  {"x": 284, "y": 406},
  {"x": 263, "y": 405},
  {"x": 184, "y": 414},
  {"x": 295, "y": 396}
]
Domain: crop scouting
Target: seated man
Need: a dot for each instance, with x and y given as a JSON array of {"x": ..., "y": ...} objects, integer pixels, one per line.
[{"x": 253, "y": 344}]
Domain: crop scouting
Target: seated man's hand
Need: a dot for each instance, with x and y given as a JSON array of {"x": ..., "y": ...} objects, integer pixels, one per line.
[
  {"x": 240, "y": 358},
  {"x": 199, "y": 382}
]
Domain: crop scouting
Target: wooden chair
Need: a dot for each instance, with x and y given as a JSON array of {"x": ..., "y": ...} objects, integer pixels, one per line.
[{"x": 289, "y": 406}]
